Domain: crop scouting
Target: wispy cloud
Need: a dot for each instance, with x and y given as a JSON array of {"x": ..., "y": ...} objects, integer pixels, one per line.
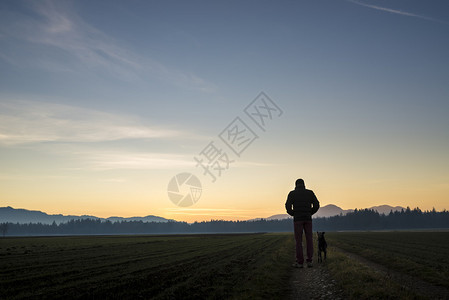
[
  {"x": 102, "y": 161},
  {"x": 77, "y": 134},
  {"x": 24, "y": 122},
  {"x": 218, "y": 212},
  {"x": 110, "y": 160},
  {"x": 68, "y": 43},
  {"x": 395, "y": 11},
  {"x": 95, "y": 159},
  {"x": 215, "y": 212},
  {"x": 179, "y": 209},
  {"x": 252, "y": 164}
]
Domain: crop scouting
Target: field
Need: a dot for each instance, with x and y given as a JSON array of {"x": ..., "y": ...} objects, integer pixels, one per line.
[
  {"x": 157, "y": 267},
  {"x": 364, "y": 265},
  {"x": 405, "y": 265},
  {"x": 421, "y": 254}
]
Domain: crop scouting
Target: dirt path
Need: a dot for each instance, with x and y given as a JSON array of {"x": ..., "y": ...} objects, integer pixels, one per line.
[
  {"x": 314, "y": 283},
  {"x": 412, "y": 283}
]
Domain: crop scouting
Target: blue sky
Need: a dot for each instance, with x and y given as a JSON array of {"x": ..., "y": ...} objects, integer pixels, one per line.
[{"x": 103, "y": 101}]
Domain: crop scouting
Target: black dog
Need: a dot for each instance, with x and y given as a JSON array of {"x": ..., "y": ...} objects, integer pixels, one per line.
[{"x": 322, "y": 246}]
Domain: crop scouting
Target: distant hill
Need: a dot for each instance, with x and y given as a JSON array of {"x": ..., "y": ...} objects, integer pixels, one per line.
[
  {"x": 385, "y": 209},
  {"x": 13, "y": 215},
  {"x": 333, "y": 210}
]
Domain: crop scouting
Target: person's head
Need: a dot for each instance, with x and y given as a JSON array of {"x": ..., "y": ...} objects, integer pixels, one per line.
[{"x": 299, "y": 184}]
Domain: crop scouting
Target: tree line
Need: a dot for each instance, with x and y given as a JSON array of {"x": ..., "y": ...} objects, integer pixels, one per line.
[{"x": 363, "y": 219}]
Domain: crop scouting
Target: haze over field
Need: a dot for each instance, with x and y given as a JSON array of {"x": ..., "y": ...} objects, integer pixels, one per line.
[{"x": 102, "y": 103}]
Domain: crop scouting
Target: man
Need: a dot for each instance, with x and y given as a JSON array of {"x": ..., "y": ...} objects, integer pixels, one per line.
[{"x": 302, "y": 204}]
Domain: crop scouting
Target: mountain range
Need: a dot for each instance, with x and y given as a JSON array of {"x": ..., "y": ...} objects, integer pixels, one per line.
[
  {"x": 23, "y": 216},
  {"x": 333, "y": 210},
  {"x": 13, "y": 215}
]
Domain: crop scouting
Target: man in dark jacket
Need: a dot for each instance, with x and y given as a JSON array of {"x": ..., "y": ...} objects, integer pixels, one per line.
[{"x": 302, "y": 204}]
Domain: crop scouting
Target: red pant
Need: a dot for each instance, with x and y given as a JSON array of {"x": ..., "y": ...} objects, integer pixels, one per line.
[{"x": 299, "y": 226}]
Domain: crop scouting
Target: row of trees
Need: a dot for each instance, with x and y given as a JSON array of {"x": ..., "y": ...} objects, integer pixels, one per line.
[
  {"x": 367, "y": 219},
  {"x": 358, "y": 220}
]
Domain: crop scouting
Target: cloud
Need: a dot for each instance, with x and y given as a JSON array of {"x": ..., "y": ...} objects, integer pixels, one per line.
[
  {"x": 54, "y": 37},
  {"x": 216, "y": 212},
  {"x": 24, "y": 122},
  {"x": 76, "y": 134},
  {"x": 183, "y": 209},
  {"x": 67, "y": 40},
  {"x": 102, "y": 161},
  {"x": 113, "y": 180},
  {"x": 394, "y": 11},
  {"x": 256, "y": 164}
]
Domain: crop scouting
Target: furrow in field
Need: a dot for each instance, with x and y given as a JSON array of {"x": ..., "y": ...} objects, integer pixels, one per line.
[
  {"x": 422, "y": 288},
  {"x": 79, "y": 271}
]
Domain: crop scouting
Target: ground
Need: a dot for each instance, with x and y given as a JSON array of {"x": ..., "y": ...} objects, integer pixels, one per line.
[
  {"x": 314, "y": 283},
  {"x": 317, "y": 282},
  {"x": 414, "y": 284}
]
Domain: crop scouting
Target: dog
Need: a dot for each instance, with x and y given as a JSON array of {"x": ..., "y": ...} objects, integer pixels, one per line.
[{"x": 322, "y": 246}]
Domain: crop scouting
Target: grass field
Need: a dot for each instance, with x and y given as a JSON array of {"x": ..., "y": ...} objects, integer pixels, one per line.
[
  {"x": 216, "y": 266},
  {"x": 421, "y": 254},
  {"x": 158, "y": 267}
]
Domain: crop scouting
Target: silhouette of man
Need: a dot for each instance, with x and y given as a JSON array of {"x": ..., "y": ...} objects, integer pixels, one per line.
[{"x": 302, "y": 204}]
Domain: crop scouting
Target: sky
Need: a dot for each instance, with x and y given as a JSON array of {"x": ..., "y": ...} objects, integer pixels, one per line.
[{"x": 106, "y": 105}]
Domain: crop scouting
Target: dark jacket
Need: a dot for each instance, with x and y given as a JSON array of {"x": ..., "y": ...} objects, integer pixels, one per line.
[{"x": 302, "y": 204}]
